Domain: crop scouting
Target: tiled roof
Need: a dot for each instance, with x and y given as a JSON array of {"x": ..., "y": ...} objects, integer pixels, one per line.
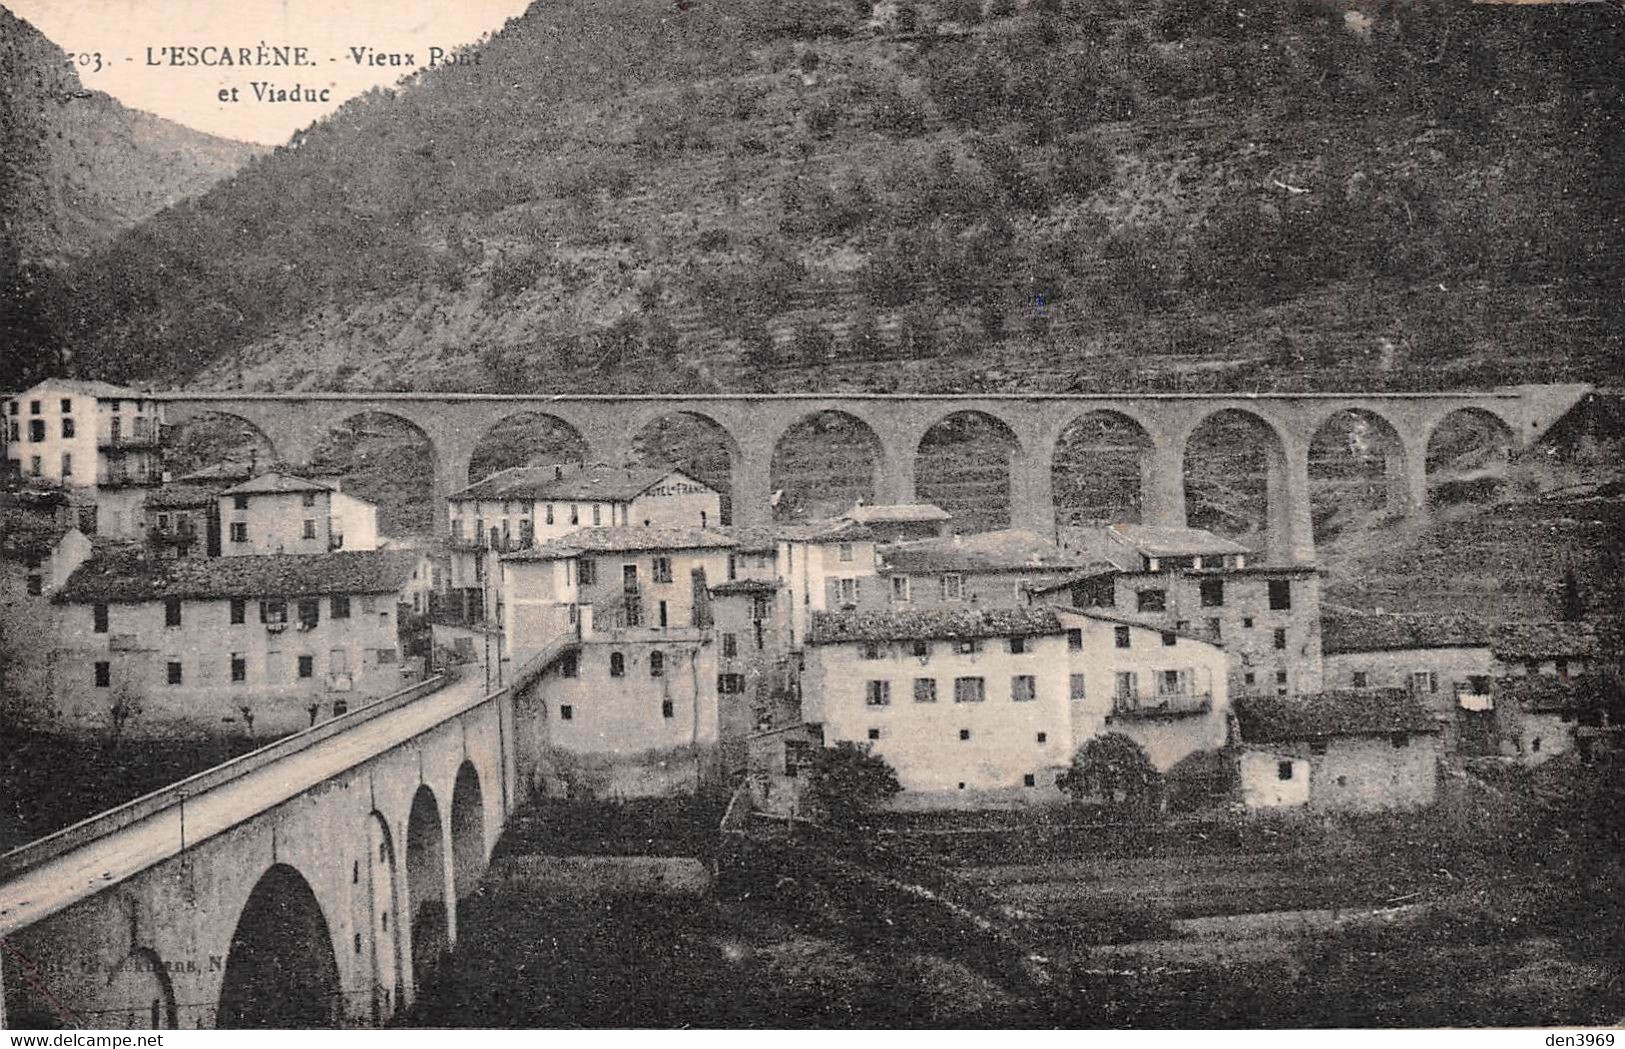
[
  {"x": 746, "y": 586},
  {"x": 88, "y": 387},
  {"x": 1167, "y": 541},
  {"x": 1341, "y": 712},
  {"x": 276, "y": 483},
  {"x": 182, "y": 497},
  {"x": 1516, "y": 641},
  {"x": 893, "y": 513},
  {"x": 131, "y": 578},
  {"x": 1091, "y": 570},
  {"x": 1103, "y": 616},
  {"x": 1006, "y": 550},
  {"x": 757, "y": 539},
  {"x": 833, "y": 628},
  {"x": 1548, "y": 694},
  {"x": 25, "y": 535},
  {"x": 624, "y": 538},
  {"x": 593, "y": 481},
  {"x": 1356, "y": 630}
]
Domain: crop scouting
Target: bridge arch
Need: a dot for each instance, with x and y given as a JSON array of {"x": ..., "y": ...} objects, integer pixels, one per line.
[
  {"x": 1244, "y": 478},
  {"x": 467, "y": 831},
  {"x": 825, "y": 481},
  {"x": 528, "y": 438},
  {"x": 693, "y": 441},
  {"x": 142, "y": 982},
  {"x": 364, "y": 450},
  {"x": 426, "y": 879},
  {"x": 965, "y": 462},
  {"x": 280, "y": 970},
  {"x": 388, "y": 955},
  {"x": 1099, "y": 467},
  {"x": 208, "y": 438},
  {"x": 1358, "y": 463},
  {"x": 1467, "y": 453}
]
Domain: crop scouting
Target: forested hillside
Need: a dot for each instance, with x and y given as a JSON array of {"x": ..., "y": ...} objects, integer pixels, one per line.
[
  {"x": 76, "y": 169},
  {"x": 925, "y": 194}
]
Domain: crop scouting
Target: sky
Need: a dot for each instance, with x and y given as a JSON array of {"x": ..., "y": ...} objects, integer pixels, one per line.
[{"x": 130, "y": 35}]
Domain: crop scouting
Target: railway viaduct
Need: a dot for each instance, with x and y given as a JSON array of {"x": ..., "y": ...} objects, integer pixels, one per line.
[
  {"x": 311, "y": 883},
  {"x": 454, "y": 425}
]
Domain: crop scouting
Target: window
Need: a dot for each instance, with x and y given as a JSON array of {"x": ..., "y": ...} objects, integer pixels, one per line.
[
  {"x": 587, "y": 572},
  {"x": 1280, "y": 595},
  {"x": 1028, "y": 780},
  {"x": 36, "y": 430},
  {"x": 899, "y": 589},
  {"x": 173, "y": 672},
  {"x": 666, "y": 709},
  {"x": 849, "y": 590},
  {"x": 925, "y": 690},
  {"x": 33, "y": 408},
  {"x": 36, "y": 585},
  {"x": 1214, "y": 629},
  {"x": 871, "y": 650},
  {"x": 874, "y": 733},
  {"x": 35, "y": 465},
  {"x": 1399, "y": 739},
  {"x": 1560, "y": 666},
  {"x": 339, "y": 606},
  {"x": 1534, "y": 745},
  {"x": 759, "y": 609},
  {"x": 1074, "y": 640},
  {"x": 310, "y": 528},
  {"x": 1317, "y": 746},
  {"x": 657, "y": 664},
  {"x": 968, "y": 648},
  {"x": 1076, "y": 687},
  {"x": 1023, "y": 688},
  {"x": 617, "y": 665},
  {"x": 969, "y": 690},
  {"x": 1280, "y": 677},
  {"x": 1247, "y": 622},
  {"x": 921, "y": 649},
  {"x": 239, "y": 667},
  {"x": 172, "y": 611},
  {"x": 964, "y": 734},
  {"x": 796, "y": 756},
  {"x": 1169, "y": 639},
  {"x": 67, "y": 464},
  {"x": 549, "y": 513},
  {"x": 1425, "y": 681},
  {"x": 310, "y": 612},
  {"x": 566, "y": 712},
  {"x": 307, "y": 498},
  {"x": 953, "y": 587},
  {"x": 1280, "y": 639},
  {"x": 239, "y": 502},
  {"x": 568, "y": 667},
  {"x": 662, "y": 569},
  {"x": 1019, "y": 646},
  {"x": 598, "y": 519},
  {"x": 1249, "y": 678},
  {"x": 386, "y": 655},
  {"x": 1212, "y": 593},
  {"x": 1120, "y": 636},
  {"x": 877, "y": 693},
  {"x": 1151, "y": 600},
  {"x": 730, "y": 684},
  {"x": 239, "y": 531},
  {"x": 1043, "y": 737},
  {"x": 575, "y": 514},
  {"x": 1128, "y": 685},
  {"x": 730, "y": 645},
  {"x": 1283, "y": 770},
  {"x": 104, "y": 675},
  {"x": 1360, "y": 679},
  {"x": 307, "y": 666},
  {"x": 99, "y": 613}
]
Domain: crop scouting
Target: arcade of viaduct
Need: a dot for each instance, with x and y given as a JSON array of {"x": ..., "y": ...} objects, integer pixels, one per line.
[
  {"x": 275, "y": 890},
  {"x": 454, "y": 425}
]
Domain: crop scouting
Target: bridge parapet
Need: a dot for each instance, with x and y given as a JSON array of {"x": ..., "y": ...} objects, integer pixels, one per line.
[{"x": 102, "y": 824}]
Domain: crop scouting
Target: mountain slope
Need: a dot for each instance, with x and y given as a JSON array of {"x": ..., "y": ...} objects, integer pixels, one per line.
[{"x": 1071, "y": 195}]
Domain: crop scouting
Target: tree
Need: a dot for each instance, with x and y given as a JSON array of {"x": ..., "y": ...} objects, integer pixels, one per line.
[
  {"x": 847, "y": 782},
  {"x": 1116, "y": 772}
]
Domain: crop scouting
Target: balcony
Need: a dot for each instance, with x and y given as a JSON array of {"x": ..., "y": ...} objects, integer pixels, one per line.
[
  {"x": 1167, "y": 705},
  {"x": 114, "y": 442},
  {"x": 125, "y": 643},
  {"x": 127, "y": 479}
]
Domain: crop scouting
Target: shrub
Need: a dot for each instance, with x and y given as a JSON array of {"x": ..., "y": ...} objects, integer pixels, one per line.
[
  {"x": 1114, "y": 771},
  {"x": 813, "y": 345},
  {"x": 512, "y": 274},
  {"x": 1203, "y": 779},
  {"x": 847, "y": 782}
]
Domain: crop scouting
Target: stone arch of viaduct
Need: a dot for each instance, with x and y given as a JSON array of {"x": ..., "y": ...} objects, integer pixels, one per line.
[
  {"x": 455, "y": 424},
  {"x": 401, "y": 835}
]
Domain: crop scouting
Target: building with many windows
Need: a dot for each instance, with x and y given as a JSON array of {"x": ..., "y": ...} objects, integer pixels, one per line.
[
  {"x": 254, "y": 644},
  {"x": 98, "y": 440},
  {"x": 994, "y": 569}
]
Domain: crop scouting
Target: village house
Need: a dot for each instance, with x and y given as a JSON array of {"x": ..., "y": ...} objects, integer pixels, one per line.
[
  {"x": 1345, "y": 750},
  {"x": 900, "y": 522},
  {"x": 1542, "y": 716},
  {"x": 96, "y": 440},
  {"x": 1561, "y": 649},
  {"x": 182, "y": 520},
  {"x": 233, "y": 509},
  {"x": 985, "y": 707},
  {"x": 38, "y": 553},
  {"x": 825, "y": 565},
  {"x": 521, "y": 507},
  {"x": 996, "y": 569},
  {"x": 247, "y": 645},
  {"x": 1188, "y": 579}
]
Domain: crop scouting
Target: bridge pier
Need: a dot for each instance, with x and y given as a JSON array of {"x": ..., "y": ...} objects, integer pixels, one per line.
[
  {"x": 1406, "y": 469},
  {"x": 1162, "y": 483},
  {"x": 1291, "y": 538}
]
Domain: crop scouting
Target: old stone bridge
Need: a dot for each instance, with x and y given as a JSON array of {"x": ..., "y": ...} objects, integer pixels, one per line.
[
  {"x": 311, "y": 883},
  {"x": 752, "y": 425}
]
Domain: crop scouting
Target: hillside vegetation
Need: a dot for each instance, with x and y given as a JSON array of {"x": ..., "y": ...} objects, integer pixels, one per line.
[{"x": 940, "y": 195}]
